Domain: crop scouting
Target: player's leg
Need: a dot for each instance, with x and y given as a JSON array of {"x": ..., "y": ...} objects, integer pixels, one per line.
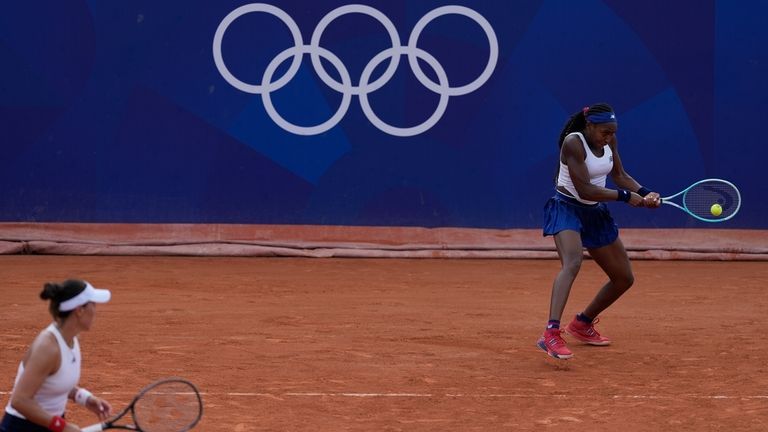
[
  {"x": 569, "y": 249},
  {"x": 570, "y": 252},
  {"x": 614, "y": 261}
]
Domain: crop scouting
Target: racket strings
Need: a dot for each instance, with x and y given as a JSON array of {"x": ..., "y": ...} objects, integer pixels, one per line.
[
  {"x": 700, "y": 198},
  {"x": 168, "y": 407}
]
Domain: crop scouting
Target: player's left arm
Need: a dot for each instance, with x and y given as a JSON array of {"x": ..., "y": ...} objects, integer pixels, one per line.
[
  {"x": 95, "y": 404},
  {"x": 622, "y": 179}
]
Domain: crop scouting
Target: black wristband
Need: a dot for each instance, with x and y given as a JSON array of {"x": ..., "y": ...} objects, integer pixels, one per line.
[
  {"x": 643, "y": 191},
  {"x": 623, "y": 195}
]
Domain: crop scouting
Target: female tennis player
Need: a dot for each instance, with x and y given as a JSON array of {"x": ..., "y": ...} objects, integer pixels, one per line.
[
  {"x": 578, "y": 218},
  {"x": 49, "y": 373}
]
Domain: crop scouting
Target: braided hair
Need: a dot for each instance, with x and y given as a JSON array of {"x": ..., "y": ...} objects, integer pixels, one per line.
[{"x": 576, "y": 123}]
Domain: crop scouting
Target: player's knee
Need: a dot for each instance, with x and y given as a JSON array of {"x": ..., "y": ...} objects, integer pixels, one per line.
[
  {"x": 630, "y": 280},
  {"x": 624, "y": 281},
  {"x": 572, "y": 266}
]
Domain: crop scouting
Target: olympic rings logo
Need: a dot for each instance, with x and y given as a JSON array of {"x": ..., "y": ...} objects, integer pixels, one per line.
[{"x": 346, "y": 87}]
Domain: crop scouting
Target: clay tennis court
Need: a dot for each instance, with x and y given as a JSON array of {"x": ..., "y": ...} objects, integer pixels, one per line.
[{"x": 301, "y": 344}]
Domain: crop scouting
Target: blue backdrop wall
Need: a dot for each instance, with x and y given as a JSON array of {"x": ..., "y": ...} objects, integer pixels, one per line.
[{"x": 296, "y": 112}]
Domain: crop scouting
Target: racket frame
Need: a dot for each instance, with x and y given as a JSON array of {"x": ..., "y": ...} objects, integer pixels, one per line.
[
  {"x": 666, "y": 200},
  {"x": 110, "y": 424}
]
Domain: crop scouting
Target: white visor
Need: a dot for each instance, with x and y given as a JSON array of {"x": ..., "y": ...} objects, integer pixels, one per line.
[{"x": 89, "y": 294}]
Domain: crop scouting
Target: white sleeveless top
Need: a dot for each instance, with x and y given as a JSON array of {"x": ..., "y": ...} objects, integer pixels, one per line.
[
  {"x": 598, "y": 168},
  {"x": 52, "y": 395}
]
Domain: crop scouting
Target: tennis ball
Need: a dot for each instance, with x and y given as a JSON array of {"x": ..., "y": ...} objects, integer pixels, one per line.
[{"x": 716, "y": 210}]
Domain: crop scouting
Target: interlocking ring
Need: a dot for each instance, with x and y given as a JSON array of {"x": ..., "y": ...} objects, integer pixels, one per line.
[{"x": 364, "y": 87}]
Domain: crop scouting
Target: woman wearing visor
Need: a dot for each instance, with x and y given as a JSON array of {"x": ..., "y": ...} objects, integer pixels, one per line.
[{"x": 48, "y": 375}]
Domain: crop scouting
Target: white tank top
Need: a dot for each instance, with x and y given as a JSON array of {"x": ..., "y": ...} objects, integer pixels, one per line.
[
  {"x": 52, "y": 395},
  {"x": 598, "y": 168}
]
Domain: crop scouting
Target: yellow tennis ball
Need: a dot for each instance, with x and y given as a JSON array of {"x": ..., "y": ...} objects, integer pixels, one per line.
[{"x": 716, "y": 209}]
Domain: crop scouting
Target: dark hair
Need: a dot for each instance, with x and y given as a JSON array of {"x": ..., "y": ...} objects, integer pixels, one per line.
[
  {"x": 61, "y": 292},
  {"x": 576, "y": 123}
]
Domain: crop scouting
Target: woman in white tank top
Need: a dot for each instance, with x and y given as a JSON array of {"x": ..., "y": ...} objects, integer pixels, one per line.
[
  {"x": 578, "y": 218},
  {"x": 48, "y": 375}
]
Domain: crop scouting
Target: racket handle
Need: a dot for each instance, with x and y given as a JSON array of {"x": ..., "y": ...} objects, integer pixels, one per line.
[{"x": 93, "y": 428}]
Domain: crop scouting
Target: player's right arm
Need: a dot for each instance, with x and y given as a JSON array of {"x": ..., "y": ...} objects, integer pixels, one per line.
[
  {"x": 41, "y": 360},
  {"x": 572, "y": 154}
]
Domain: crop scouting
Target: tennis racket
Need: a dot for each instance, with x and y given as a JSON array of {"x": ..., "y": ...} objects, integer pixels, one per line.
[
  {"x": 168, "y": 405},
  {"x": 697, "y": 200}
]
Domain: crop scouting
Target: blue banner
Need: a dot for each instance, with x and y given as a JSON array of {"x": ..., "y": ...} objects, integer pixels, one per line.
[{"x": 391, "y": 112}]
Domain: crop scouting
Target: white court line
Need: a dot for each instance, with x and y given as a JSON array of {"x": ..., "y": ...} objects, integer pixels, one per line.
[
  {"x": 460, "y": 395},
  {"x": 491, "y": 395},
  {"x": 415, "y": 395}
]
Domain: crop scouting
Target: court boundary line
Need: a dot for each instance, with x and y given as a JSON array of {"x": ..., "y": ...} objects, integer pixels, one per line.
[{"x": 452, "y": 395}]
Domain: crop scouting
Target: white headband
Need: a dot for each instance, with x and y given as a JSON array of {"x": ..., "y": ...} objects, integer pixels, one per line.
[{"x": 89, "y": 294}]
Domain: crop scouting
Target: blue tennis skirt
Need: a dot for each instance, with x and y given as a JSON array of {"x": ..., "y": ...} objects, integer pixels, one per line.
[
  {"x": 592, "y": 221},
  {"x": 11, "y": 423}
]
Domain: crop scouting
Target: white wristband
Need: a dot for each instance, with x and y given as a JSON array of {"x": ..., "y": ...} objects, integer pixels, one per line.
[{"x": 82, "y": 395}]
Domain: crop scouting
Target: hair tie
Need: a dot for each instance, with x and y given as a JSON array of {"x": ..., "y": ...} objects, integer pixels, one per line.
[{"x": 584, "y": 110}]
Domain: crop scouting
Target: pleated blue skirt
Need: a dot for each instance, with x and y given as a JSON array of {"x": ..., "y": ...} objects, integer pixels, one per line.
[{"x": 592, "y": 221}]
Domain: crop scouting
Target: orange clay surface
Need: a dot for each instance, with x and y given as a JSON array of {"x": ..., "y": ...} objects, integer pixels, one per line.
[{"x": 297, "y": 344}]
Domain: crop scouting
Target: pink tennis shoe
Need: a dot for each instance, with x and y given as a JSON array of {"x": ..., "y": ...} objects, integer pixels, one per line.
[
  {"x": 586, "y": 333},
  {"x": 553, "y": 344}
]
